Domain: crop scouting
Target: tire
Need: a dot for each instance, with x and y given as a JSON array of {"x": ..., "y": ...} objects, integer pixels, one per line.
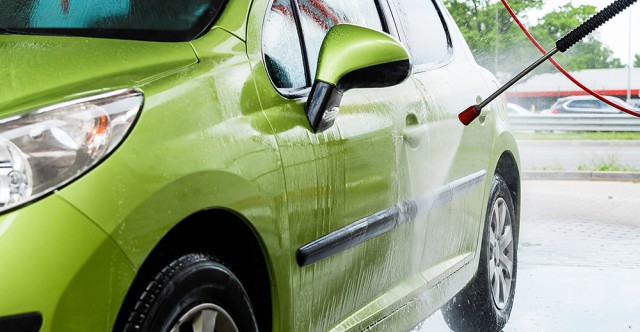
[
  {"x": 485, "y": 303},
  {"x": 192, "y": 293}
]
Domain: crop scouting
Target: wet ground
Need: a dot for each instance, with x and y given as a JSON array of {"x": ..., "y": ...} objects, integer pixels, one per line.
[{"x": 579, "y": 266}]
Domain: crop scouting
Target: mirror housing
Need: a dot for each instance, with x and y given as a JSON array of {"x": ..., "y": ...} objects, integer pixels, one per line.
[{"x": 350, "y": 57}]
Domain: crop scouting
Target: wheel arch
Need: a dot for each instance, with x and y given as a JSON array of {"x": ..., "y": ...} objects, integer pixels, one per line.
[
  {"x": 508, "y": 169},
  {"x": 473, "y": 307},
  {"x": 227, "y": 236}
]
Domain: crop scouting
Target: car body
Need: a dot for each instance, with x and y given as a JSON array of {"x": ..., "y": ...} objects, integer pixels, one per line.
[
  {"x": 161, "y": 171},
  {"x": 587, "y": 105}
]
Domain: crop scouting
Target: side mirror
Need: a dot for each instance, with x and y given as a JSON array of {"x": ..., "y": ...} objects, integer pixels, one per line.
[{"x": 350, "y": 57}]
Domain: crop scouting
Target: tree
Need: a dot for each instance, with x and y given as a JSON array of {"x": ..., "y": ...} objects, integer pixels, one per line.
[
  {"x": 590, "y": 53},
  {"x": 490, "y": 34},
  {"x": 499, "y": 45},
  {"x": 637, "y": 61}
]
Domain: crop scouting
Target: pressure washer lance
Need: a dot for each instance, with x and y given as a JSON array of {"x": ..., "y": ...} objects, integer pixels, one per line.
[{"x": 562, "y": 44}]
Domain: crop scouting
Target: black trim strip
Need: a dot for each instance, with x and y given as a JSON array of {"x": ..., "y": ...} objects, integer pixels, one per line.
[
  {"x": 29, "y": 322},
  {"x": 303, "y": 43},
  {"x": 385, "y": 220},
  {"x": 449, "y": 191}
]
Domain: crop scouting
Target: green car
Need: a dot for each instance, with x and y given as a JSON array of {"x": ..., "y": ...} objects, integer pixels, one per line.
[{"x": 245, "y": 165}]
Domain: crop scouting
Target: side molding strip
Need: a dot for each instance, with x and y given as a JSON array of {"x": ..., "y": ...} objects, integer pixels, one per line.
[{"x": 385, "y": 220}]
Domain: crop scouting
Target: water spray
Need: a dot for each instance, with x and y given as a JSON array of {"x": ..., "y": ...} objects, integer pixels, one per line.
[{"x": 562, "y": 44}]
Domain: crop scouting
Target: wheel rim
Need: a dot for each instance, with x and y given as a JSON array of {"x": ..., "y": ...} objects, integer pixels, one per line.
[
  {"x": 206, "y": 317},
  {"x": 500, "y": 253}
]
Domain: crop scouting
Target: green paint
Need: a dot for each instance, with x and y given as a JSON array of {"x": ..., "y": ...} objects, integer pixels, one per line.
[
  {"x": 347, "y": 48},
  {"x": 215, "y": 135}
]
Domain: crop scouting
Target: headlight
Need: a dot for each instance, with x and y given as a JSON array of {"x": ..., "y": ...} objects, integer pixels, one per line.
[{"x": 46, "y": 148}]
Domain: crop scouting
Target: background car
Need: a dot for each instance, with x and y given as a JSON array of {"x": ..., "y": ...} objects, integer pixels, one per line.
[
  {"x": 587, "y": 105},
  {"x": 250, "y": 165}
]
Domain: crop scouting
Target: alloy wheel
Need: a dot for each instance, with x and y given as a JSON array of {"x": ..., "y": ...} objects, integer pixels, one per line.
[
  {"x": 500, "y": 253},
  {"x": 206, "y": 317}
]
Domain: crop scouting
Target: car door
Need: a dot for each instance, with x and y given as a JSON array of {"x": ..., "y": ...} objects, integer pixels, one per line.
[
  {"x": 453, "y": 169},
  {"x": 345, "y": 186}
]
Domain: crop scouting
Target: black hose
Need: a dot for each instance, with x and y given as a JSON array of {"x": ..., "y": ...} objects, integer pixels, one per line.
[{"x": 592, "y": 24}]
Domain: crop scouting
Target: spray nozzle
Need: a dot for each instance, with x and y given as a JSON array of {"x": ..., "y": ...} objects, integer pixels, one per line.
[{"x": 468, "y": 115}]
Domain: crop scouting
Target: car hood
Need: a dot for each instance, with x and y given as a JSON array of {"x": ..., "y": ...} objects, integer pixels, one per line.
[{"x": 39, "y": 70}]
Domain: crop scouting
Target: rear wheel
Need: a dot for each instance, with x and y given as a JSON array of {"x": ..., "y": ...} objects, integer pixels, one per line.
[
  {"x": 485, "y": 303},
  {"x": 193, "y": 293}
]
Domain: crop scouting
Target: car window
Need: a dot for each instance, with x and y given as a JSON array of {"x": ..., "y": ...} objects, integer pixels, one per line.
[
  {"x": 425, "y": 31},
  {"x": 584, "y": 104},
  {"x": 317, "y": 17},
  {"x": 283, "y": 56},
  {"x": 157, "y": 20},
  {"x": 281, "y": 47},
  {"x": 603, "y": 105}
]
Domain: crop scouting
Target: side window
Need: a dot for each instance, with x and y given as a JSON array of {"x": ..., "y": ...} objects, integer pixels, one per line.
[
  {"x": 584, "y": 104},
  {"x": 317, "y": 17},
  {"x": 594, "y": 104},
  {"x": 578, "y": 104},
  {"x": 283, "y": 55},
  {"x": 425, "y": 31},
  {"x": 602, "y": 105},
  {"x": 281, "y": 47},
  {"x": 606, "y": 106}
]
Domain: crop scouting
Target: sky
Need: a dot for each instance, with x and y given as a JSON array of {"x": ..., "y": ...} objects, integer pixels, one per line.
[{"x": 614, "y": 33}]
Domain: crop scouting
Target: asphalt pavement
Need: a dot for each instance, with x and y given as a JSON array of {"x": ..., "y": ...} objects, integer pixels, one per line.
[{"x": 579, "y": 264}]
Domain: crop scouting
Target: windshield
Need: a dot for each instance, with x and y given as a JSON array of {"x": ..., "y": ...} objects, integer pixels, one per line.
[{"x": 156, "y": 20}]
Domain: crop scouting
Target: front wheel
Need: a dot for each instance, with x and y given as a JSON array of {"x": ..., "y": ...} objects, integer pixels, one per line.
[
  {"x": 485, "y": 303},
  {"x": 193, "y": 293}
]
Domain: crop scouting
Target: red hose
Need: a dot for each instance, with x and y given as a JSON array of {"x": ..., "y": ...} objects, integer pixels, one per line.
[{"x": 562, "y": 70}]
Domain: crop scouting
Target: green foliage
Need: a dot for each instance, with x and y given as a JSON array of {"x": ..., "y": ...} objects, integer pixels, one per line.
[
  {"x": 608, "y": 163},
  {"x": 498, "y": 43},
  {"x": 636, "y": 62},
  {"x": 590, "y": 53},
  {"x": 562, "y": 20}
]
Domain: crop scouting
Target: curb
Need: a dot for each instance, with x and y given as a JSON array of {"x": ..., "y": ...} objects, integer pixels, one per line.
[{"x": 581, "y": 176}]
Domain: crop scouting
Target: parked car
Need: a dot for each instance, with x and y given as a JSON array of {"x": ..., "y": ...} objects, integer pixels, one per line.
[
  {"x": 587, "y": 105},
  {"x": 250, "y": 165}
]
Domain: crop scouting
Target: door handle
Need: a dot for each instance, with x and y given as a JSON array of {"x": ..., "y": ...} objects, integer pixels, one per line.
[
  {"x": 485, "y": 110},
  {"x": 414, "y": 132}
]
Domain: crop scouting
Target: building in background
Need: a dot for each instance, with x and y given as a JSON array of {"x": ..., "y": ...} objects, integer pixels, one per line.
[{"x": 541, "y": 91}]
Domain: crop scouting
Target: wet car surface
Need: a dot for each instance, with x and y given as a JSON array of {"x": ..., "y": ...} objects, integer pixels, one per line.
[{"x": 250, "y": 165}]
